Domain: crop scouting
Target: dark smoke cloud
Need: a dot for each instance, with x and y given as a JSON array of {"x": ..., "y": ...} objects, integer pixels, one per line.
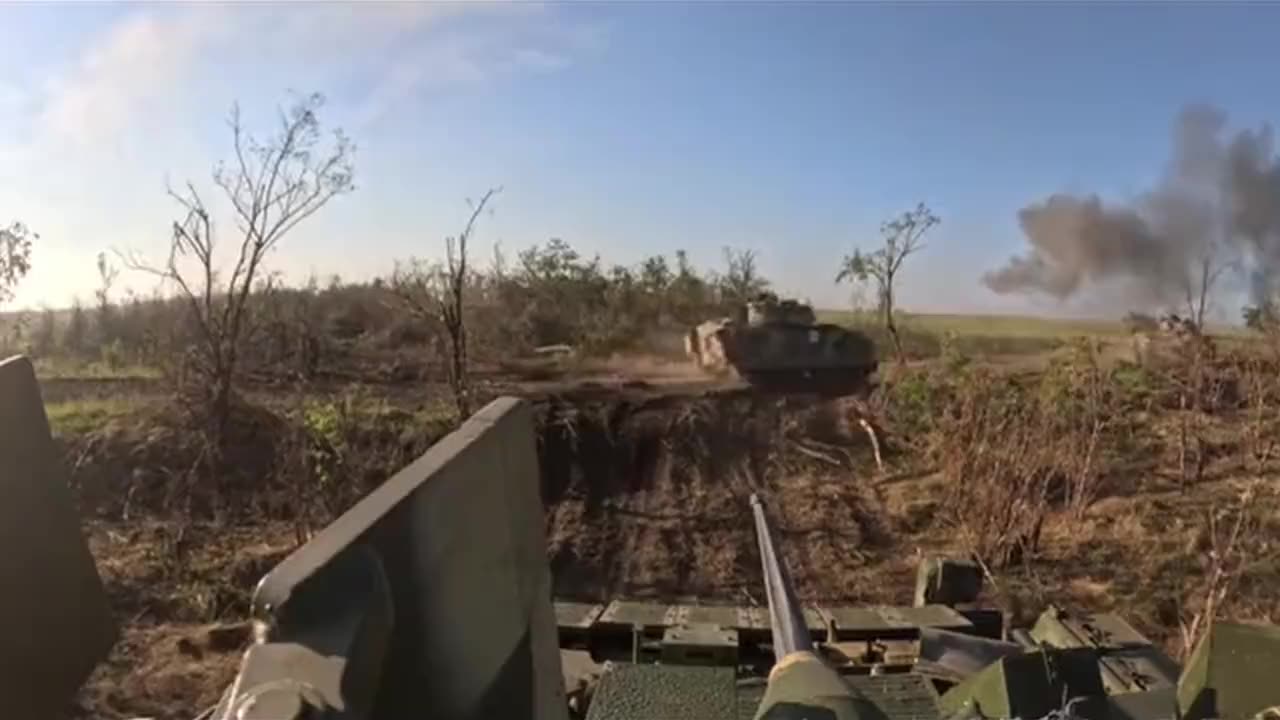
[
  {"x": 1079, "y": 240},
  {"x": 1218, "y": 199}
]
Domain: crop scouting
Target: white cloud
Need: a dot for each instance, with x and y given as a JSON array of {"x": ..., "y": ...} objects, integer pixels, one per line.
[
  {"x": 85, "y": 145},
  {"x": 133, "y": 65},
  {"x": 137, "y": 68},
  {"x": 12, "y": 98},
  {"x": 526, "y": 40}
]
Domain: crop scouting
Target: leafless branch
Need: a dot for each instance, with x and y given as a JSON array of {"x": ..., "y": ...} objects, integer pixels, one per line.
[{"x": 271, "y": 187}]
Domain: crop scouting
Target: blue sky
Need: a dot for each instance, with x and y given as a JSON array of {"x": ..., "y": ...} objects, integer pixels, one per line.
[{"x": 625, "y": 128}]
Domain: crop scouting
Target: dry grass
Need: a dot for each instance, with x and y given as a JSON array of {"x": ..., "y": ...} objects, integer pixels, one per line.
[
  {"x": 1075, "y": 468},
  {"x": 181, "y": 595}
]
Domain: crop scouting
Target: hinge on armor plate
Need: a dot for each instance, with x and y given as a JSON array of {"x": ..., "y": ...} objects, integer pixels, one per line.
[{"x": 700, "y": 645}]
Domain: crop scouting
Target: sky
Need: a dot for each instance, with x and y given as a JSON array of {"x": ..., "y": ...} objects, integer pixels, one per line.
[{"x": 627, "y": 129}]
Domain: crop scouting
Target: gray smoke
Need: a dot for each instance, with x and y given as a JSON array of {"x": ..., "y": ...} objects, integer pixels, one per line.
[{"x": 1219, "y": 201}]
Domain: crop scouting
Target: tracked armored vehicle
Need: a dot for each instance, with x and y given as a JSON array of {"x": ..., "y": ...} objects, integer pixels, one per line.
[
  {"x": 779, "y": 344},
  {"x": 1173, "y": 341},
  {"x": 432, "y": 598}
]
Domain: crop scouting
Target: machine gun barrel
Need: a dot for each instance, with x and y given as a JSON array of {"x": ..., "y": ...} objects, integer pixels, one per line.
[{"x": 790, "y": 631}]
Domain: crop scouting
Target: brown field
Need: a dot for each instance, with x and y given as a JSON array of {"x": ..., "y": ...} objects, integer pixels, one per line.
[
  {"x": 1039, "y": 447},
  {"x": 646, "y": 470}
]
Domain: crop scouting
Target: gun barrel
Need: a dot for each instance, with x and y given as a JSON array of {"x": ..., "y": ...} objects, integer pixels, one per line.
[{"x": 790, "y": 631}]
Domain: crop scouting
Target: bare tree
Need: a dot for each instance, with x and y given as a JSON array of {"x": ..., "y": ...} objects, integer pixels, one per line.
[
  {"x": 106, "y": 312},
  {"x": 15, "y": 257},
  {"x": 1225, "y": 558},
  {"x": 271, "y": 186},
  {"x": 902, "y": 237},
  {"x": 741, "y": 280},
  {"x": 75, "y": 339},
  {"x": 436, "y": 294},
  {"x": 1203, "y": 275}
]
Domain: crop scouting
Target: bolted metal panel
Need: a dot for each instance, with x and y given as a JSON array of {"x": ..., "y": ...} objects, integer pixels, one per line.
[
  {"x": 662, "y": 692},
  {"x": 1137, "y": 669},
  {"x": 54, "y": 614},
  {"x": 1059, "y": 628},
  {"x": 728, "y": 616},
  {"x": 577, "y": 615},
  {"x": 645, "y": 614},
  {"x": 899, "y": 696},
  {"x": 852, "y": 622},
  {"x": 865, "y": 623},
  {"x": 1128, "y": 661},
  {"x": 868, "y": 655},
  {"x": 700, "y": 645},
  {"x": 934, "y": 616},
  {"x": 855, "y": 623}
]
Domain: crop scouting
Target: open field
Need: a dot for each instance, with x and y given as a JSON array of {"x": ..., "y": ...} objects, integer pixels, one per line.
[
  {"x": 1038, "y": 446},
  {"x": 993, "y": 326},
  {"x": 232, "y": 365},
  {"x": 645, "y": 469}
]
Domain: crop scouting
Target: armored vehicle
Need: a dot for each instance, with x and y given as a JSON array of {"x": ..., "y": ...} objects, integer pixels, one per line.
[
  {"x": 1173, "y": 341},
  {"x": 779, "y": 344},
  {"x": 432, "y": 598}
]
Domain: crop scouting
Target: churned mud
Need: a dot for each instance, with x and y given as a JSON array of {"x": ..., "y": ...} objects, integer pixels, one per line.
[{"x": 647, "y": 494}]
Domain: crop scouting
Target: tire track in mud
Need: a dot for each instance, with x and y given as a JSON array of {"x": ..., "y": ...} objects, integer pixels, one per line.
[{"x": 648, "y": 497}]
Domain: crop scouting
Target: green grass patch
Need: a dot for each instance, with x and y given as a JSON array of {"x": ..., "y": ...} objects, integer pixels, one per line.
[
  {"x": 997, "y": 326},
  {"x": 65, "y": 367},
  {"x": 923, "y": 333},
  {"x": 924, "y": 336},
  {"x": 78, "y": 417}
]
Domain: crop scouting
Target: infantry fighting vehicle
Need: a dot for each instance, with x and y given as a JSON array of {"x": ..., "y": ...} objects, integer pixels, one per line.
[
  {"x": 432, "y": 598},
  {"x": 1172, "y": 341},
  {"x": 779, "y": 344}
]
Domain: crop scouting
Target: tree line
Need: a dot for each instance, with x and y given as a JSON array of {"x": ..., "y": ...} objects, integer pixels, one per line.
[{"x": 208, "y": 323}]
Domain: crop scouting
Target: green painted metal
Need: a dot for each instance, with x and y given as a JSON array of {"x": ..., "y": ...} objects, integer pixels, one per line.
[
  {"x": 1233, "y": 673},
  {"x": 1160, "y": 704},
  {"x": 803, "y": 687},
  {"x": 665, "y": 692},
  {"x": 1031, "y": 686},
  {"x": 577, "y": 615},
  {"x": 700, "y": 644},
  {"x": 1129, "y": 661},
  {"x": 906, "y": 696},
  {"x": 851, "y": 622}
]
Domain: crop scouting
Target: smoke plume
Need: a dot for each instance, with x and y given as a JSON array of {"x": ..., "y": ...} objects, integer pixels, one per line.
[{"x": 1216, "y": 208}]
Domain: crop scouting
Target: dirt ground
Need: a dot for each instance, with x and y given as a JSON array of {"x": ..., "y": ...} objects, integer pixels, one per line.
[{"x": 646, "y": 474}]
